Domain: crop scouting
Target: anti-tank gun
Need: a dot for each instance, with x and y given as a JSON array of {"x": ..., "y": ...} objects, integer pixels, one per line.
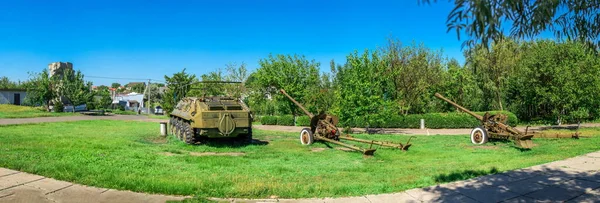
[
  {"x": 494, "y": 127},
  {"x": 323, "y": 128}
]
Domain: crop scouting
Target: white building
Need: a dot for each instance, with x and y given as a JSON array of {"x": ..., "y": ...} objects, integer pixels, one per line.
[
  {"x": 131, "y": 101},
  {"x": 12, "y": 96}
]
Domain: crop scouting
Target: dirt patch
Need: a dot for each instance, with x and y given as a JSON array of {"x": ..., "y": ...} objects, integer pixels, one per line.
[
  {"x": 217, "y": 154},
  {"x": 157, "y": 140},
  {"x": 344, "y": 149},
  {"x": 484, "y": 147},
  {"x": 167, "y": 154},
  {"x": 317, "y": 149}
]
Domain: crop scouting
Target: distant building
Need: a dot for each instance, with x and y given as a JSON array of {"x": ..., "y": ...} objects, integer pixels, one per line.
[
  {"x": 131, "y": 101},
  {"x": 12, "y": 96}
]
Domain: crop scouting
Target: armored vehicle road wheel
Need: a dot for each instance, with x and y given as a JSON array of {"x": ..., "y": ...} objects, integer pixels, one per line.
[
  {"x": 479, "y": 135},
  {"x": 306, "y": 136},
  {"x": 178, "y": 128},
  {"x": 187, "y": 133},
  {"x": 171, "y": 123}
]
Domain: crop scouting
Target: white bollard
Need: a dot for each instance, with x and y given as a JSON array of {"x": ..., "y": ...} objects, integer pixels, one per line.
[
  {"x": 163, "y": 128},
  {"x": 422, "y": 123}
]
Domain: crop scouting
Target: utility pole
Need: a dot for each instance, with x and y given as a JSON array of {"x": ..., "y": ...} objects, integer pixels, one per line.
[{"x": 148, "y": 92}]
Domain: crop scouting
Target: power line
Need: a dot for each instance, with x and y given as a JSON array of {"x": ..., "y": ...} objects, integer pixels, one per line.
[{"x": 134, "y": 79}]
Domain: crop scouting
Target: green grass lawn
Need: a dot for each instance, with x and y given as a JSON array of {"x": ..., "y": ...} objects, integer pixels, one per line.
[
  {"x": 129, "y": 155},
  {"x": 14, "y": 111}
]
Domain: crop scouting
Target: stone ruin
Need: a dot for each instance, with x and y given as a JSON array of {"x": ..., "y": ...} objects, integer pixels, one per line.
[{"x": 59, "y": 67}]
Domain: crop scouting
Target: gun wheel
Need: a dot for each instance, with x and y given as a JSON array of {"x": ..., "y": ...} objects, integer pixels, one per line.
[
  {"x": 479, "y": 135},
  {"x": 306, "y": 136}
]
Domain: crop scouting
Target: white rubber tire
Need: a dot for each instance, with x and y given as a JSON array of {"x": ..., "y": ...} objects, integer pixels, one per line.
[
  {"x": 309, "y": 139},
  {"x": 479, "y": 131}
]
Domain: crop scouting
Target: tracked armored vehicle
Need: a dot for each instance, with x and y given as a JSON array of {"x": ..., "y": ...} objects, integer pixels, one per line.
[{"x": 196, "y": 119}]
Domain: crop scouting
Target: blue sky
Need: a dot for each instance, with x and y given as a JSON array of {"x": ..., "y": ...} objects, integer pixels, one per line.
[{"x": 148, "y": 38}]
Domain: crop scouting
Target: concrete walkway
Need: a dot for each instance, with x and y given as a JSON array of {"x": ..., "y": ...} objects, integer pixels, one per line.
[
  {"x": 17, "y": 186},
  {"x": 573, "y": 180}
]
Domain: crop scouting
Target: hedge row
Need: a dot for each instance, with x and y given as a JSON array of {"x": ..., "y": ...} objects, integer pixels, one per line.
[
  {"x": 302, "y": 121},
  {"x": 436, "y": 120},
  {"x": 432, "y": 120},
  {"x": 268, "y": 120},
  {"x": 287, "y": 120}
]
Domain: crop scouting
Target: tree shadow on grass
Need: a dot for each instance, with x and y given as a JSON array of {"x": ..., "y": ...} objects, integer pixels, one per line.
[
  {"x": 230, "y": 142},
  {"x": 463, "y": 175}
]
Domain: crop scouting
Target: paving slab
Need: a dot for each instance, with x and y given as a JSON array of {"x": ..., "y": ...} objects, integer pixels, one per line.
[
  {"x": 488, "y": 193},
  {"x": 577, "y": 184},
  {"x": 430, "y": 193},
  {"x": 524, "y": 173},
  {"x": 494, "y": 180},
  {"x": 590, "y": 176},
  {"x": 520, "y": 199},
  {"x": 594, "y": 154},
  {"x": 6, "y": 172},
  {"x": 554, "y": 194},
  {"x": 522, "y": 188},
  {"x": 234, "y": 200},
  {"x": 17, "y": 179},
  {"x": 76, "y": 193},
  {"x": 128, "y": 196},
  {"x": 361, "y": 199},
  {"x": 395, "y": 197},
  {"x": 586, "y": 198},
  {"x": 546, "y": 180},
  {"x": 49, "y": 185},
  {"x": 311, "y": 200},
  {"x": 23, "y": 194},
  {"x": 583, "y": 163}
]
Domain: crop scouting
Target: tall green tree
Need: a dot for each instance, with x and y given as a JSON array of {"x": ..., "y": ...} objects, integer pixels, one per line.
[
  {"x": 555, "y": 79},
  {"x": 69, "y": 85},
  {"x": 40, "y": 89},
  {"x": 6, "y": 83},
  {"x": 178, "y": 87},
  {"x": 361, "y": 97},
  {"x": 74, "y": 88},
  {"x": 485, "y": 21},
  {"x": 115, "y": 85},
  {"x": 459, "y": 85},
  {"x": 493, "y": 68},
  {"x": 298, "y": 76},
  {"x": 411, "y": 72},
  {"x": 237, "y": 73}
]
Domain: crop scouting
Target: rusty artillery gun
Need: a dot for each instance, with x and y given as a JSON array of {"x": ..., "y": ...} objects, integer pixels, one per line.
[
  {"x": 323, "y": 128},
  {"x": 494, "y": 127}
]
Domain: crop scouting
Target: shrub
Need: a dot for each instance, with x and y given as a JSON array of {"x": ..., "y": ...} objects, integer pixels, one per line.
[
  {"x": 287, "y": 120},
  {"x": 302, "y": 121},
  {"x": 268, "y": 120},
  {"x": 256, "y": 118},
  {"x": 58, "y": 107}
]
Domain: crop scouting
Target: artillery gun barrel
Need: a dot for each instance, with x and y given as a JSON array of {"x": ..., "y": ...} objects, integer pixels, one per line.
[
  {"x": 364, "y": 151},
  {"x": 372, "y": 142},
  {"x": 478, "y": 117},
  {"x": 297, "y": 104}
]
